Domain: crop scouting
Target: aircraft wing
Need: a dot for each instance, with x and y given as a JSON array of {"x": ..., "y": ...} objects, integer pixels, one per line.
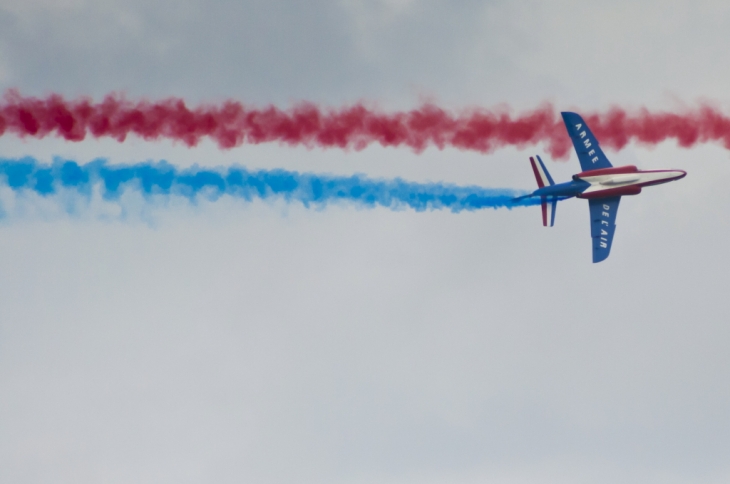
[
  {"x": 603, "y": 225},
  {"x": 590, "y": 155}
]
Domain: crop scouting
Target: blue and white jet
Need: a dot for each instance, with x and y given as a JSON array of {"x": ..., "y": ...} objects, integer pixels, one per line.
[{"x": 599, "y": 182}]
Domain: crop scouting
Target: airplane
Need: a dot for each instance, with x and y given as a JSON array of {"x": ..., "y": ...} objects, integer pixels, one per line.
[{"x": 600, "y": 183}]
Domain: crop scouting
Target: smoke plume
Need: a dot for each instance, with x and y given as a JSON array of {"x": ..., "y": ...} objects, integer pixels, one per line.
[
  {"x": 232, "y": 123},
  {"x": 155, "y": 180}
]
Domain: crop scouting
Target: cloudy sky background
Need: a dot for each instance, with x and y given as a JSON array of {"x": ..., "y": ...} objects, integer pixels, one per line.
[{"x": 229, "y": 342}]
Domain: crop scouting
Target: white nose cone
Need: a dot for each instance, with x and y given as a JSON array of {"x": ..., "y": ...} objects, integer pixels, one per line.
[{"x": 661, "y": 176}]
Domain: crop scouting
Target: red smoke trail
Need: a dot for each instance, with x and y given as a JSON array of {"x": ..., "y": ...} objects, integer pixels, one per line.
[{"x": 232, "y": 124}]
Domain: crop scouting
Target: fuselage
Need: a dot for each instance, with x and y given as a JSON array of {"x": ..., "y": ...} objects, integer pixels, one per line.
[{"x": 609, "y": 182}]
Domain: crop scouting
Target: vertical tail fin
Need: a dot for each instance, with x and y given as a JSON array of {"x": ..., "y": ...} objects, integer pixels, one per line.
[
  {"x": 541, "y": 174},
  {"x": 543, "y": 178}
]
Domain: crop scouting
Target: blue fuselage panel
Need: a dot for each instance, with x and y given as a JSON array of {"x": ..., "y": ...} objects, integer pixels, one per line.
[{"x": 563, "y": 190}]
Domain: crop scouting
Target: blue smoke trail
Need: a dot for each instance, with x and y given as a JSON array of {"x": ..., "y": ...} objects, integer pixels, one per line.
[{"x": 155, "y": 179}]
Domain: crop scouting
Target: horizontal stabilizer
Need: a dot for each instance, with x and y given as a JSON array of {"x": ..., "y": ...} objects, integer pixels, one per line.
[{"x": 549, "y": 205}]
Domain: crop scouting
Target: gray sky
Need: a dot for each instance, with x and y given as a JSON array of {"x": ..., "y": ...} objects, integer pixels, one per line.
[{"x": 230, "y": 342}]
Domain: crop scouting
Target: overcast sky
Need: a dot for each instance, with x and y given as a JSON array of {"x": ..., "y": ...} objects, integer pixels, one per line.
[{"x": 230, "y": 342}]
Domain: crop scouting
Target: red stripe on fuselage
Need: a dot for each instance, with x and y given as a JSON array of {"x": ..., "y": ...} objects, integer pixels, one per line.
[{"x": 608, "y": 171}]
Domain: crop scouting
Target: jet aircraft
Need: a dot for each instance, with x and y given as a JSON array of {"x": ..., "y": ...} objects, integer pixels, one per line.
[{"x": 600, "y": 183}]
